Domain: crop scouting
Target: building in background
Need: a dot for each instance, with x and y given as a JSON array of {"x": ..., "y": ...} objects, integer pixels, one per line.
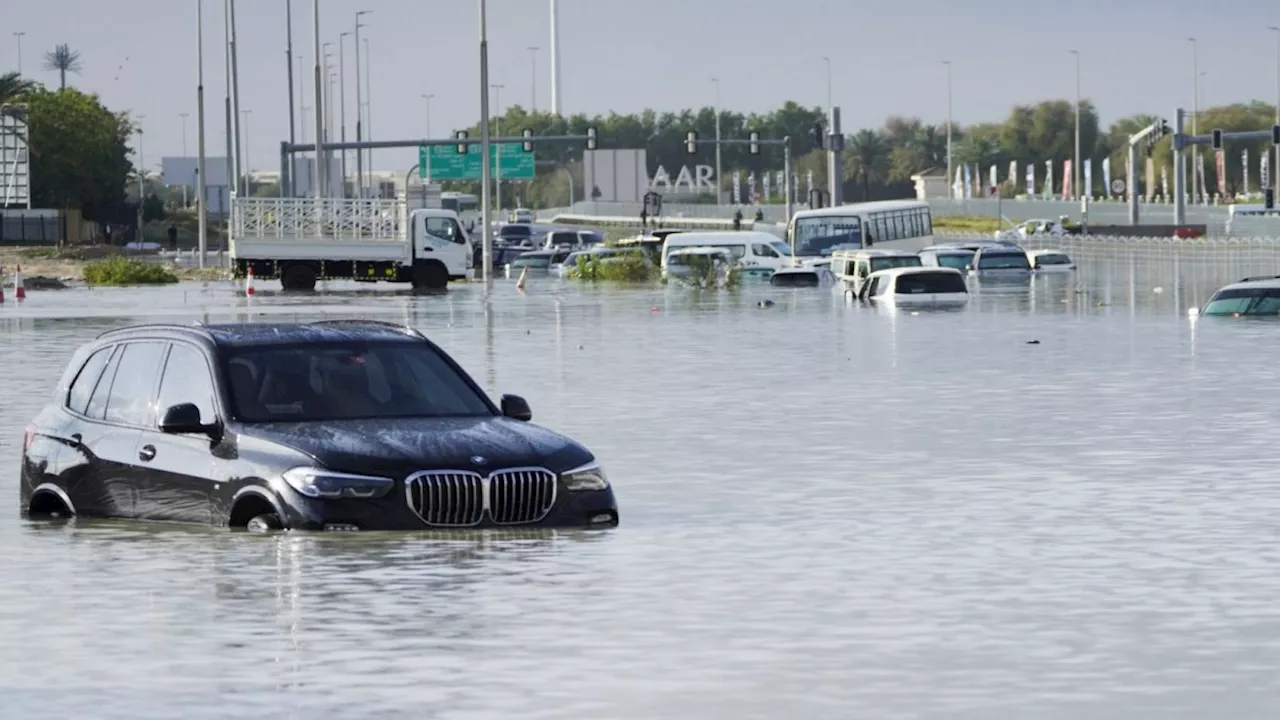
[{"x": 178, "y": 172}]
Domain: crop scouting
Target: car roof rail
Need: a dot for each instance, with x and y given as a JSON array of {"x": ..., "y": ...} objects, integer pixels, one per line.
[
  {"x": 1261, "y": 277},
  {"x": 376, "y": 323},
  {"x": 194, "y": 327}
]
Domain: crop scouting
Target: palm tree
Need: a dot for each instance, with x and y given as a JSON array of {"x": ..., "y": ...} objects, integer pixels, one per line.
[
  {"x": 868, "y": 155},
  {"x": 62, "y": 59},
  {"x": 12, "y": 85}
]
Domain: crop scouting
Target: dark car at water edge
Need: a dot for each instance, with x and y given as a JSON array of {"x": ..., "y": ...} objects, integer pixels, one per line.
[{"x": 334, "y": 425}]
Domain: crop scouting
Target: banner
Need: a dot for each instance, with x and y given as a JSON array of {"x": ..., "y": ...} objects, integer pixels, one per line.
[
  {"x": 1031, "y": 180},
  {"x": 1204, "y": 178},
  {"x": 1220, "y": 167},
  {"x": 780, "y": 182},
  {"x": 1013, "y": 175},
  {"x": 1068, "y": 192},
  {"x": 766, "y": 182},
  {"x": 1048, "y": 179},
  {"x": 808, "y": 183},
  {"x": 1087, "y": 190},
  {"x": 957, "y": 186},
  {"x": 1164, "y": 183},
  {"x": 737, "y": 187},
  {"x": 1151, "y": 180},
  {"x": 995, "y": 183},
  {"x": 1106, "y": 176},
  {"x": 1265, "y": 166},
  {"x": 751, "y": 188}
]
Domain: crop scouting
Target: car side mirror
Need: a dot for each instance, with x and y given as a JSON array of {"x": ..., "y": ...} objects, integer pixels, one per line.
[
  {"x": 516, "y": 408},
  {"x": 182, "y": 419}
]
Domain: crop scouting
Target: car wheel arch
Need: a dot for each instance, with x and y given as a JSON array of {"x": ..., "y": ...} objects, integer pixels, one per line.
[
  {"x": 250, "y": 501},
  {"x": 46, "y": 499}
]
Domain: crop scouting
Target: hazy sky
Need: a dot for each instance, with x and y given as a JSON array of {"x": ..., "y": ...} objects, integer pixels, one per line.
[{"x": 626, "y": 55}]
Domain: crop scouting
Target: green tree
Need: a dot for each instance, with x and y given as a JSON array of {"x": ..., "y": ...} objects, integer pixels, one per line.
[
  {"x": 79, "y": 153},
  {"x": 12, "y": 85},
  {"x": 153, "y": 208},
  {"x": 867, "y": 155},
  {"x": 62, "y": 60}
]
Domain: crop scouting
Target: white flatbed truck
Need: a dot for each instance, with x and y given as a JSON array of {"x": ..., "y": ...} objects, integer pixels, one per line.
[{"x": 302, "y": 240}]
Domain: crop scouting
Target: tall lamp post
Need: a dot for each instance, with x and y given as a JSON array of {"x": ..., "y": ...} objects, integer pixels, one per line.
[
  {"x": 1195, "y": 116},
  {"x": 716, "y": 82},
  {"x": 359, "y": 112},
  {"x": 342, "y": 103},
  {"x": 950, "y": 181},
  {"x": 1075, "y": 164},
  {"x": 533, "y": 79},
  {"x": 184, "y": 117},
  {"x": 202, "y": 228},
  {"x": 427, "y": 99},
  {"x": 248, "y": 167},
  {"x": 19, "y": 35},
  {"x": 485, "y": 232},
  {"x": 827, "y": 60},
  {"x": 497, "y": 178},
  {"x": 1276, "y": 166}
]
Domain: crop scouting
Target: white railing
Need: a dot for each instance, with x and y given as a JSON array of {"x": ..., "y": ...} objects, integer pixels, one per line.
[{"x": 337, "y": 219}]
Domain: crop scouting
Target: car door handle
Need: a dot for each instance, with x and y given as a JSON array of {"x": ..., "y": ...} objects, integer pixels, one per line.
[
  {"x": 75, "y": 439},
  {"x": 147, "y": 453}
]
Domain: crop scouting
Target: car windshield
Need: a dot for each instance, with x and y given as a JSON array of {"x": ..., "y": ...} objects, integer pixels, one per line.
[
  {"x": 532, "y": 261},
  {"x": 783, "y": 249},
  {"x": 959, "y": 261},
  {"x": 815, "y": 236},
  {"x": 1003, "y": 261},
  {"x": 347, "y": 381},
  {"x": 1244, "y": 301},
  {"x": 798, "y": 279},
  {"x": 886, "y": 263},
  {"x": 514, "y": 232},
  {"x": 1052, "y": 259}
]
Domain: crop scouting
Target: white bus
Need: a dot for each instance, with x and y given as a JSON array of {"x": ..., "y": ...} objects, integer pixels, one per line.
[
  {"x": 888, "y": 225},
  {"x": 466, "y": 205}
]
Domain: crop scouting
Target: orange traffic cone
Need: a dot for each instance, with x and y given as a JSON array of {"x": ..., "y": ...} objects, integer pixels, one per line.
[
  {"x": 524, "y": 273},
  {"x": 19, "y": 290}
]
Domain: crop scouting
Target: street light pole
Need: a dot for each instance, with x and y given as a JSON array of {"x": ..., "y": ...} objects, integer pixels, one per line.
[
  {"x": 202, "y": 228},
  {"x": 1276, "y": 166},
  {"x": 342, "y": 102},
  {"x": 1075, "y": 164},
  {"x": 533, "y": 79},
  {"x": 950, "y": 181},
  {"x": 368, "y": 106},
  {"x": 248, "y": 167},
  {"x": 485, "y": 232},
  {"x": 359, "y": 111},
  {"x": 142, "y": 174},
  {"x": 316, "y": 98},
  {"x": 427, "y": 98},
  {"x": 827, "y": 60},
  {"x": 184, "y": 117},
  {"x": 1195, "y": 116},
  {"x": 19, "y": 35},
  {"x": 497, "y": 108},
  {"x": 716, "y": 82},
  {"x": 326, "y": 107}
]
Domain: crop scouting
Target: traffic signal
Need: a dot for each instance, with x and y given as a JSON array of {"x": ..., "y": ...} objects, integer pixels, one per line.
[
  {"x": 754, "y": 143},
  {"x": 527, "y": 145},
  {"x": 462, "y": 147},
  {"x": 819, "y": 136},
  {"x": 591, "y": 138},
  {"x": 691, "y": 142},
  {"x": 1269, "y": 198},
  {"x": 1275, "y": 134},
  {"x": 1164, "y": 128},
  {"x": 1217, "y": 139}
]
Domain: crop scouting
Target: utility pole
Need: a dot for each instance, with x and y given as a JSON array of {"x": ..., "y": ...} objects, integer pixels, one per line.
[
  {"x": 533, "y": 79},
  {"x": 202, "y": 213},
  {"x": 359, "y": 111},
  {"x": 1195, "y": 114},
  {"x": 19, "y": 35},
  {"x": 485, "y": 213},
  {"x": 555, "y": 58},
  {"x": 286, "y": 184},
  {"x": 248, "y": 167},
  {"x": 427, "y": 98},
  {"x": 231, "y": 123},
  {"x": 950, "y": 180},
  {"x": 368, "y": 108},
  {"x": 327, "y": 108},
  {"x": 184, "y": 117},
  {"x": 318, "y": 90},
  {"x": 827, "y": 60},
  {"x": 235, "y": 101},
  {"x": 1075, "y": 164},
  {"x": 716, "y": 82},
  {"x": 142, "y": 174},
  {"x": 342, "y": 103}
]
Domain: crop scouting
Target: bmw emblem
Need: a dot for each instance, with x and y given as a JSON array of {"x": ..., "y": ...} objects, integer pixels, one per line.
[{"x": 478, "y": 460}]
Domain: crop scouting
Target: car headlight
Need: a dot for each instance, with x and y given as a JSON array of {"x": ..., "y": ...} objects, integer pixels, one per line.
[
  {"x": 588, "y": 477},
  {"x": 319, "y": 483}
]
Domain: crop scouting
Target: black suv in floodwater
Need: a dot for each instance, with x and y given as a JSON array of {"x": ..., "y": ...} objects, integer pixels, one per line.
[{"x": 334, "y": 425}]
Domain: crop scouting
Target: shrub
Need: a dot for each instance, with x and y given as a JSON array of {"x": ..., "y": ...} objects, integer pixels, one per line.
[
  {"x": 122, "y": 271},
  {"x": 626, "y": 267}
]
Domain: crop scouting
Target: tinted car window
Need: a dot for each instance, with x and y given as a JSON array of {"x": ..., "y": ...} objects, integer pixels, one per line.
[
  {"x": 1052, "y": 259},
  {"x": 87, "y": 379},
  {"x": 130, "y": 401},
  {"x": 532, "y": 261},
  {"x": 1003, "y": 261},
  {"x": 98, "y": 403},
  {"x": 348, "y": 381},
  {"x": 804, "y": 279},
  {"x": 515, "y": 232},
  {"x": 886, "y": 263},
  {"x": 1244, "y": 301},
  {"x": 959, "y": 261},
  {"x": 186, "y": 379},
  {"x": 930, "y": 282}
]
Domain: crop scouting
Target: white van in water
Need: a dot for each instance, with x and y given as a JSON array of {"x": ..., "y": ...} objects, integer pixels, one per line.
[
  {"x": 916, "y": 286},
  {"x": 855, "y": 266},
  {"x": 750, "y": 250}
]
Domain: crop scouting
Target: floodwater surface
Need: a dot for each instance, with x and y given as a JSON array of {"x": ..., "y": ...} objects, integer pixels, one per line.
[{"x": 827, "y": 510}]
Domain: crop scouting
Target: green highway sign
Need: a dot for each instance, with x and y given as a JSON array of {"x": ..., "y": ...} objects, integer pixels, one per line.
[{"x": 442, "y": 162}]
